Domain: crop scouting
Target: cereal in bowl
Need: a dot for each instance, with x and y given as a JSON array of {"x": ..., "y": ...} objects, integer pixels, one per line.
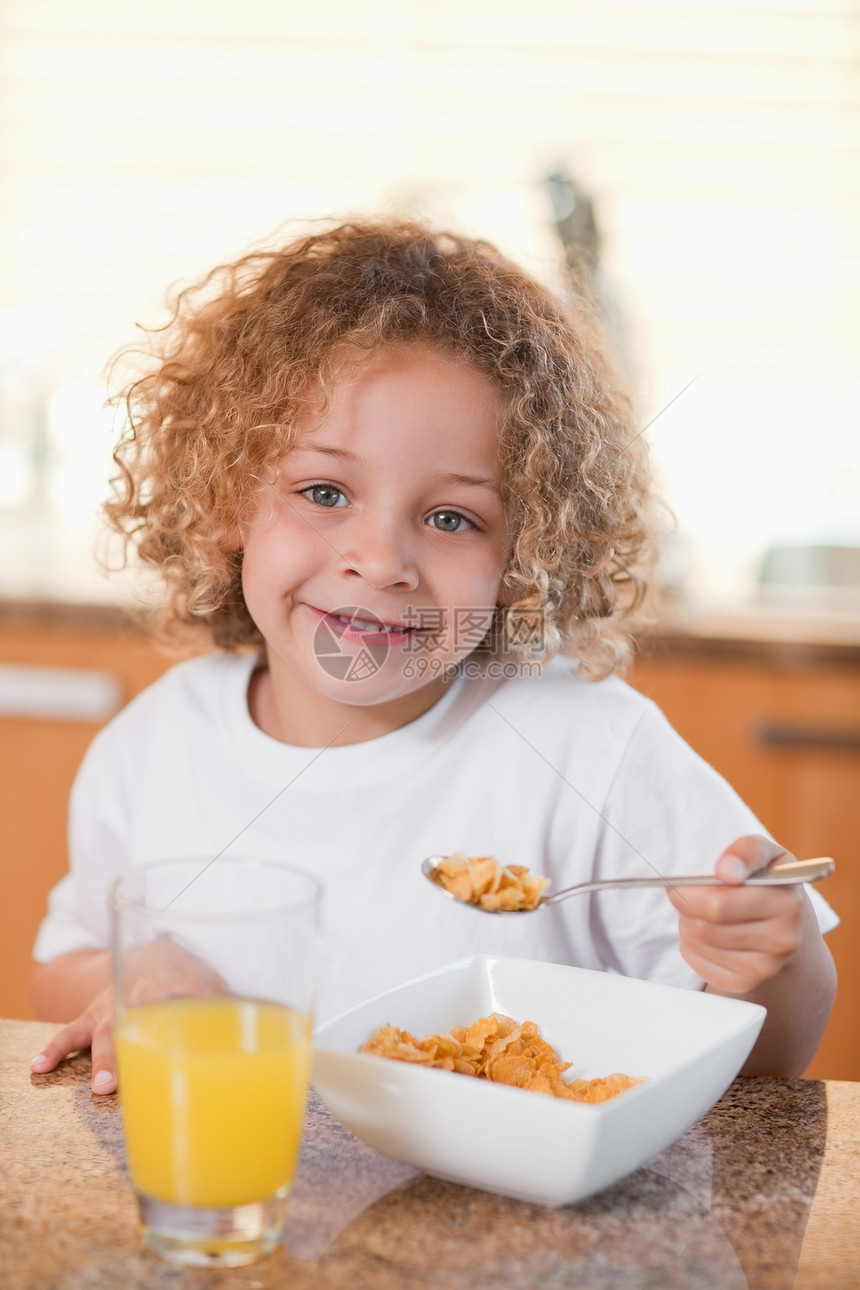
[{"x": 500, "y": 1049}]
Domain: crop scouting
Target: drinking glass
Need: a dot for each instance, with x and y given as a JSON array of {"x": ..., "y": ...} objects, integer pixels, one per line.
[{"x": 214, "y": 968}]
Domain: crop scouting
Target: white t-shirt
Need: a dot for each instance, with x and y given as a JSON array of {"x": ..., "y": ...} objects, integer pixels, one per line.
[{"x": 574, "y": 779}]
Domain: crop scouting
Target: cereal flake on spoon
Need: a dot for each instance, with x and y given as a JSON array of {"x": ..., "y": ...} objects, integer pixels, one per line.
[{"x": 481, "y": 880}]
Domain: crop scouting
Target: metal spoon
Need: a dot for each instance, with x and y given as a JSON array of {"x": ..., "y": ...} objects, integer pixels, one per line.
[{"x": 778, "y": 875}]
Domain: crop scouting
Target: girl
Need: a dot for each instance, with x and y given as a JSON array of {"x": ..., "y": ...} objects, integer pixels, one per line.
[{"x": 389, "y": 477}]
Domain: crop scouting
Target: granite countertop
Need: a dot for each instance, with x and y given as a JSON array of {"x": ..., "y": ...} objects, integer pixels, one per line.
[{"x": 762, "y": 1193}]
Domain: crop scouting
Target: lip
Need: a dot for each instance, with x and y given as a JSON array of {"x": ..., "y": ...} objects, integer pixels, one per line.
[{"x": 390, "y": 635}]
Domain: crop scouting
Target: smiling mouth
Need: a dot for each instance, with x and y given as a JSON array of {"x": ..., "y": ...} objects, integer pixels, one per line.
[
  {"x": 369, "y": 624},
  {"x": 365, "y": 627}
]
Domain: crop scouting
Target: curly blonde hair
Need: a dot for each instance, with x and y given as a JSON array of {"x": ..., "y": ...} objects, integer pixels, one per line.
[{"x": 230, "y": 378}]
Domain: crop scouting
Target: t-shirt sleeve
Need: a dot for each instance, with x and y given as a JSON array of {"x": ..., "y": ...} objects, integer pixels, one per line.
[
  {"x": 667, "y": 811},
  {"x": 78, "y": 916}
]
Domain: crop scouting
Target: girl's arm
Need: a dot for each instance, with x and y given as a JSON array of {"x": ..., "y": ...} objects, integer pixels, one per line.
[
  {"x": 62, "y": 988},
  {"x": 761, "y": 944}
]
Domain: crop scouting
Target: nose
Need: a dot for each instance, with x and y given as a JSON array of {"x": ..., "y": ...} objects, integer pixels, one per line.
[{"x": 380, "y": 553}]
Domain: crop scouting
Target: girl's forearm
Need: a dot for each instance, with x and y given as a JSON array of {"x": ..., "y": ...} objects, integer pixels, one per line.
[
  {"x": 799, "y": 1000},
  {"x": 63, "y": 988}
]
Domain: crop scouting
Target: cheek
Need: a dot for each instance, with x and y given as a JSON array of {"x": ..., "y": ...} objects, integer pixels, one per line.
[
  {"x": 281, "y": 549},
  {"x": 477, "y": 576},
  {"x": 485, "y": 588}
]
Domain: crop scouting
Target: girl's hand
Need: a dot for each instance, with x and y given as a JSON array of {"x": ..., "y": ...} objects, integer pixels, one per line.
[
  {"x": 92, "y": 1029},
  {"x": 738, "y": 937},
  {"x": 160, "y": 970}
]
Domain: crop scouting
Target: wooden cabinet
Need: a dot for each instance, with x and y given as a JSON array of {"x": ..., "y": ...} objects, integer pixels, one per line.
[
  {"x": 39, "y": 758},
  {"x": 783, "y": 727}
]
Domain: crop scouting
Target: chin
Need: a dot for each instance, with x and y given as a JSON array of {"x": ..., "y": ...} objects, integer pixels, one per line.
[{"x": 379, "y": 690}]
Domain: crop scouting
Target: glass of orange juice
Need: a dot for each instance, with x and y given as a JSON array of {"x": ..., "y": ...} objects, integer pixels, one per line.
[{"x": 214, "y": 969}]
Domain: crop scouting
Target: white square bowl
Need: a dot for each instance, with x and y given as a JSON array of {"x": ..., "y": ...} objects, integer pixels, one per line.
[{"x": 689, "y": 1045}]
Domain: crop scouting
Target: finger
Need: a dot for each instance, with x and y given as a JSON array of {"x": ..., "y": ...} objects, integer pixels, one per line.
[
  {"x": 776, "y": 940},
  {"x": 104, "y": 1060},
  {"x": 737, "y": 956},
  {"x": 718, "y": 904},
  {"x": 746, "y": 855},
  {"x": 71, "y": 1039},
  {"x": 722, "y": 937},
  {"x": 732, "y": 904},
  {"x": 737, "y": 973}
]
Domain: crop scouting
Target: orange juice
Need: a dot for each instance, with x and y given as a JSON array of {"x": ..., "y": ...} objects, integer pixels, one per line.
[{"x": 213, "y": 1092}]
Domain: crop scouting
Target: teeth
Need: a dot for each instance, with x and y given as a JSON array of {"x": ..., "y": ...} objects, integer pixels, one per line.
[{"x": 362, "y": 625}]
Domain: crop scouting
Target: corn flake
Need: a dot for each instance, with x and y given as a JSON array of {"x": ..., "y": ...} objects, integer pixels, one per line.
[
  {"x": 499, "y": 1049},
  {"x": 481, "y": 880}
]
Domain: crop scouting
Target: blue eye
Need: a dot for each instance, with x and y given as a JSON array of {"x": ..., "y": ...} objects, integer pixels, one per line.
[
  {"x": 325, "y": 495},
  {"x": 449, "y": 521}
]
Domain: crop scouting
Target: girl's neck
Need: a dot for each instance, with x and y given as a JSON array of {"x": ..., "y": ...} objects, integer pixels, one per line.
[{"x": 288, "y": 710}]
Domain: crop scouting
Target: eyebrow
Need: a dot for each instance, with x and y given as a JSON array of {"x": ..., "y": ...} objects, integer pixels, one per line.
[
  {"x": 477, "y": 481},
  {"x": 448, "y": 477}
]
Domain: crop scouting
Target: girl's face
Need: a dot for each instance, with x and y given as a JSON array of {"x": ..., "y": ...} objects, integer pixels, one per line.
[{"x": 374, "y": 563}]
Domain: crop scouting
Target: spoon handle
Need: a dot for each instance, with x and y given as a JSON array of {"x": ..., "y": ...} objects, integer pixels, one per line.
[{"x": 778, "y": 875}]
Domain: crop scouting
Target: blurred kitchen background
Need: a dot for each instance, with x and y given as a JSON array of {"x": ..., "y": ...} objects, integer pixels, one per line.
[
  {"x": 702, "y": 155},
  {"x": 718, "y": 143}
]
